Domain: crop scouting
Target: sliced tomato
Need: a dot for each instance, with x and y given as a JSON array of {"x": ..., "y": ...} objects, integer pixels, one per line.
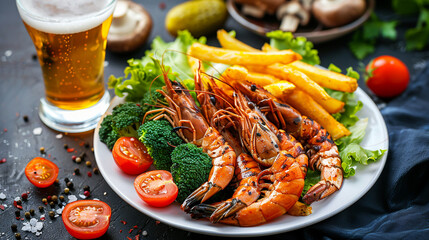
[
  {"x": 156, "y": 188},
  {"x": 86, "y": 219},
  {"x": 41, "y": 172},
  {"x": 131, "y": 155}
]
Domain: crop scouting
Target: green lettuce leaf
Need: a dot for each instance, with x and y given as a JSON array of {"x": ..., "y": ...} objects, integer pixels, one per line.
[
  {"x": 353, "y": 154},
  {"x": 311, "y": 179},
  {"x": 144, "y": 74},
  {"x": 285, "y": 40}
]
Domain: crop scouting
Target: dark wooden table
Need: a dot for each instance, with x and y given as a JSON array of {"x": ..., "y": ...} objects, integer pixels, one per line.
[{"x": 21, "y": 86}]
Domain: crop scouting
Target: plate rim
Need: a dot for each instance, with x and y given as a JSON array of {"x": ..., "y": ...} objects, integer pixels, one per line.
[
  {"x": 213, "y": 232},
  {"x": 312, "y": 36}
]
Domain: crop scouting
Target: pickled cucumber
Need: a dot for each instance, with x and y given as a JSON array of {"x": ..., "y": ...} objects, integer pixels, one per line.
[{"x": 199, "y": 17}]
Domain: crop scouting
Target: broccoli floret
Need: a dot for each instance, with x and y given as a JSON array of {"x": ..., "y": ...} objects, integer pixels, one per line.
[
  {"x": 126, "y": 119},
  {"x": 106, "y": 133},
  {"x": 191, "y": 168},
  {"x": 150, "y": 99},
  {"x": 159, "y": 140}
]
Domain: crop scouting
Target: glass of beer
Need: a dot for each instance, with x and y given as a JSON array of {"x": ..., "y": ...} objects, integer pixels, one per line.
[{"x": 70, "y": 39}]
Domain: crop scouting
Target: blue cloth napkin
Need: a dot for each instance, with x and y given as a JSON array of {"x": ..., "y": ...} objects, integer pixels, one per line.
[{"x": 397, "y": 206}]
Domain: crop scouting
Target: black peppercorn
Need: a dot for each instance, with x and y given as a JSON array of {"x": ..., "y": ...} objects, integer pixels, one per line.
[
  {"x": 61, "y": 198},
  {"x": 18, "y": 236},
  {"x": 86, "y": 188},
  {"x": 51, "y": 214},
  {"x": 76, "y": 171},
  {"x": 52, "y": 204},
  {"x": 95, "y": 170},
  {"x": 54, "y": 198},
  {"x": 19, "y": 202},
  {"x": 66, "y": 180},
  {"x": 66, "y": 190},
  {"x": 66, "y": 146},
  {"x": 41, "y": 208},
  {"x": 88, "y": 163},
  {"x": 27, "y": 215},
  {"x": 32, "y": 212},
  {"x": 25, "y": 117},
  {"x": 14, "y": 227},
  {"x": 70, "y": 185},
  {"x": 17, "y": 213}
]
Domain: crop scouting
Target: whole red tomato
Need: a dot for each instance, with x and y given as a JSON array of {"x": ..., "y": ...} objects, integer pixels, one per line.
[{"x": 387, "y": 76}]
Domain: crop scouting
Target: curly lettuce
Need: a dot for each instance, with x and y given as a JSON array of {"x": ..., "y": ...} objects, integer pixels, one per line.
[
  {"x": 285, "y": 40},
  {"x": 350, "y": 151},
  {"x": 147, "y": 73}
]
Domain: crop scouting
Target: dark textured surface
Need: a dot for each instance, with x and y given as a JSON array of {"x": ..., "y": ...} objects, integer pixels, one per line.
[{"x": 396, "y": 207}]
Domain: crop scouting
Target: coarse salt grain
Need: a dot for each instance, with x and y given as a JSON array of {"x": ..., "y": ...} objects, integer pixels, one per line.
[
  {"x": 59, "y": 136},
  {"x": 82, "y": 196},
  {"x": 37, "y": 131},
  {"x": 72, "y": 198},
  {"x": 2, "y": 196}
]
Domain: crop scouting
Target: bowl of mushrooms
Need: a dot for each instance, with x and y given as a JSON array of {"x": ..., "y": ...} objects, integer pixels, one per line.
[{"x": 317, "y": 20}]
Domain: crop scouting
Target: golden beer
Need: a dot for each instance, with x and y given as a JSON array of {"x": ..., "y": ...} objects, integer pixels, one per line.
[
  {"x": 72, "y": 61},
  {"x": 70, "y": 39}
]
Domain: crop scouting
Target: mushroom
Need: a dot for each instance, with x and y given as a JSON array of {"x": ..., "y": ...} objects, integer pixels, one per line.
[
  {"x": 131, "y": 26},
  {"x": 258, "y": 8},
  {"x": 334, "y": 13},
  {"x": 291, "y": 15}
]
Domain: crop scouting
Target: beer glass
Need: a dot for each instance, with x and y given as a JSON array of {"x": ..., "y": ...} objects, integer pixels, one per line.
[{"x": 70, "y": 39}]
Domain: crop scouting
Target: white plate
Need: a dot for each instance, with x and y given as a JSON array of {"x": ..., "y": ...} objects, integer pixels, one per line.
[{"x": 352, "y": 190}]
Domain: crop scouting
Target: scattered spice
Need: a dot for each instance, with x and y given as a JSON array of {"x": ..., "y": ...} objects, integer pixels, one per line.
[
  {"x": 70, "y": 149},
  {"x": 24, "y": 196},
  {"x": 130, "y": 230},
  {"x": 51, "y": 214},
  {"x": 17, "y": 213},
  {"x": 66, "y": 180},
  {"x": 57, "y": 181},
  {"x": 66, "y": 146},
  {"x": 62, "y": 198},
  {"x": 86, "y": 193},
  {"x": 27, "y": 215},
  {"x": 88, "y": 163},
  {"x": 70, "y": 185},
  {"x": 32, "y": 212},
  {"x": 73, "y": 158},
  {"x": 54, "y": 198},
  {"x": 86, "y": 188},
  {"x": 49, "y": 198},
  {"x": 25, "y": 118},
  {"x": 86, "y": 145},
  {"x": 66, "y": 190},
  {"x": 89, "y": 174},
  {"x": 76, "y": 171},
  {"x": 18, "y": 236},
  {"x": 42, "y": 150},
  {"x": 3, "y": 160},
  {"x": 95, "y": 170},
  {"x": 14, "y": 227},
  {"x": 52, "y": 204},
  {"x": 162, "y": 5},
  {"x": 44, "y": 200},
  {"x": 78, "y": 160},
  {"x": 41, "y": 208},
  {"x": 123, "y": 222},
  {"x": 19, "y": 202}
]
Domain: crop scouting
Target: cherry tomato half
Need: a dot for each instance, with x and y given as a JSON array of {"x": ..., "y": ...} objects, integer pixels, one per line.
[
  {"x": 131, "y": 155},
  {"x": 86, "y": 219},
  {"x": 388, "y": 76},
  {"x": 156, "y": 188},
  {"x": 41, "y": 172}
]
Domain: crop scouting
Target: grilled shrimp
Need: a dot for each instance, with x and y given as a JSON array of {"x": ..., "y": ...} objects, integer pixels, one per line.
[
  {"x": 281, "y": 195},
  {"x": 223, "y": 160},
  {"x": 321, "y": 149},
  {"x": 183, "y": 113},
  {"x": 247, "y": 192}
]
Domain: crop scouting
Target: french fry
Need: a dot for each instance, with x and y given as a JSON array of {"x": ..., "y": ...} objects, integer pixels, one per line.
[
  {"x": 304, "y": 83},
  {"x": 280, "y": 88},
  {"x": 235, "y": 73},
  {"x": 229, "y": 42},
  {"x": 323, "y": 77},
  {"x": 308, "y": 107},
  {"x": 233, "y": 57}
]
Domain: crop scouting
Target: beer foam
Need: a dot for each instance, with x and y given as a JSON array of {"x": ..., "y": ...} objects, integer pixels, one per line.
[{"x": 64, "y": 17}]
